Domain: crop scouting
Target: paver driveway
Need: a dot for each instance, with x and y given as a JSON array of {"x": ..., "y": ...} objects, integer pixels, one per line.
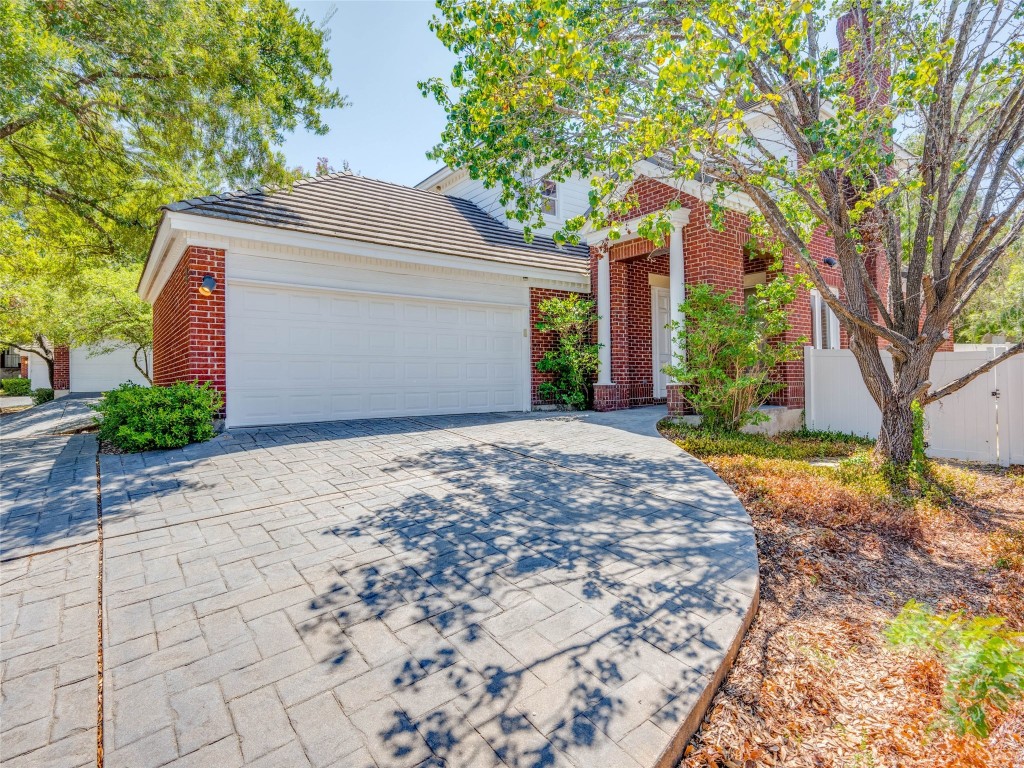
[{"x": 461, "y": 591}]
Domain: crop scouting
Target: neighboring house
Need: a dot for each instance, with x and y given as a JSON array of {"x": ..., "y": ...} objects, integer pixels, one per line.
[
  {"x": 76, "y": 369},
  {"x": 346, "y": 297}
]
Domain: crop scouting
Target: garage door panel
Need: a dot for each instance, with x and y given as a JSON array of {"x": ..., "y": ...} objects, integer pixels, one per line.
[
  {"x": 382, "y": 341},
  {"x": 307, "y": 304},
  {"x": 503, "y": 320},
  {"x": 346, "y": 308},
  {"x": 298, "y": 355},
  {"x": 417, "y": 372},
  {"x": 305, "y": 340},
  {"x": 416, "y": 401},
  {"x": 447, "y": 315},
  {"x": 416, "y": 342}
]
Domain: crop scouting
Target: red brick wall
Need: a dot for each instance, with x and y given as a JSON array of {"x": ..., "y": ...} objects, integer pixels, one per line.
[
  {"x": 23, "y": 364},
  {"x": 541, "y": 342},
  {"x": 719, "y": 258},
  {"x": 188, "y": 328},
  {"x": 61, "y": 368}
]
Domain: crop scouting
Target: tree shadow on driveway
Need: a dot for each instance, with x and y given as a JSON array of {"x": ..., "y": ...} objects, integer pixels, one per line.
[
  {"x": 551, "y": 618},
  {"x": 471, "y": 591}
]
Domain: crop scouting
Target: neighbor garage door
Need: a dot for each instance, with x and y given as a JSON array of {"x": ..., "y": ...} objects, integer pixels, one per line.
[
  {"x": 299, "y": 355},
  {"x": 102, "y": 372}
]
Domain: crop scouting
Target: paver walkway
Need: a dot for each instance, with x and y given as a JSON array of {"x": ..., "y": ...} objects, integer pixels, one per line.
[
  {"x": 61, "y": 415},
  {"x": 48, "y": 602},
  {"x": 460, "y": 591}
]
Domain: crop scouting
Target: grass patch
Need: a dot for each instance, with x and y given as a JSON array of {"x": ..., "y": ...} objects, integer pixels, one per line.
[{"x": 804, "y": 444}]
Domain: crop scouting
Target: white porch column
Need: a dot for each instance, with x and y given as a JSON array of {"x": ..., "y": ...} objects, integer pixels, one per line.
[
  {"x": 677, "y": 276},
  {"x": 604, "y": 324}
]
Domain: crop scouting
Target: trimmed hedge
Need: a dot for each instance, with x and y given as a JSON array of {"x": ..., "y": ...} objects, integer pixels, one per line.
[
  {"x": 143, "y": 418},
  {"x": 42, "y": 395},
  {"x": 16, "y": 387}
]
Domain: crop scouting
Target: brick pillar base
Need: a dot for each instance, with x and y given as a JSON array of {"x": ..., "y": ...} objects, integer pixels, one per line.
[
  {"x": 61, "y": 369},
  {"x": 678, "y": 405},
  {"x": 610, "y": 397}
]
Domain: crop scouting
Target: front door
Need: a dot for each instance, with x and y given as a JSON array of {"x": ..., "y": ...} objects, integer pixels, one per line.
[{"x": 661, "y": 344}]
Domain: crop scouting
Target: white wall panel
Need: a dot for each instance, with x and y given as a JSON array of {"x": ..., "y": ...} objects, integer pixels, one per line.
[
  {"x": 103, "y": 372},
  {"x": 970, "y": 424}
]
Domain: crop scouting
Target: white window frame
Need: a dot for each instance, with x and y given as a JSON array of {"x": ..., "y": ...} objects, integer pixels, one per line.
[
  {"x": 831, "y": 331},
  {"x": 549, "y": 194}
]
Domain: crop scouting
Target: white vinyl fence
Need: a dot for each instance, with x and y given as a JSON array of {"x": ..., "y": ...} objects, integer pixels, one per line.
[{"x": 984, "y": 421}]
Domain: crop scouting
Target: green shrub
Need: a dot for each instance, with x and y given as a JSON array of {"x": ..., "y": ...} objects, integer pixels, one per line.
[
  {"x": 42, "y": 395},
  {"x": 573, "y": 362},
  {"x": 143, "y": 418},
  {"x": 984, "y": 662},
  {"x": 16, "y": 387},
  {"x": 731, "y": 351}
]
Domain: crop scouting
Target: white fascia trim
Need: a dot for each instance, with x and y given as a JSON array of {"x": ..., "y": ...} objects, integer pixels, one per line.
[
  {"x": 218, "y": 232},
  {"x": 679, "y": 218},
  {"x": 441, "y": 180},
  {"x": 736, "y": 201}
]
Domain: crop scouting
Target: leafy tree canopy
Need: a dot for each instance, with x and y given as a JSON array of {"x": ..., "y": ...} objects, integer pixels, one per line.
[
  {"x": 997, "y": 309},
  {"x": 915, "y": 169},
  {"x": 109, "y": 110}
]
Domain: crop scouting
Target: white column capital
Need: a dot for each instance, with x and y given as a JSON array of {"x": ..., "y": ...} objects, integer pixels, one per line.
[
  {"x": 628, "y": 229},
  {"x": 679, "y": 218}
]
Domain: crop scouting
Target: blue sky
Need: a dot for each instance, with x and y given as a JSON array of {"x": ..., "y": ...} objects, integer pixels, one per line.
[{"x": 379, "y": 50}]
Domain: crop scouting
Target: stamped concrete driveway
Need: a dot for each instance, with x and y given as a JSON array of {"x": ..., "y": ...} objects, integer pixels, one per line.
[{"x": 446, "y": 591}]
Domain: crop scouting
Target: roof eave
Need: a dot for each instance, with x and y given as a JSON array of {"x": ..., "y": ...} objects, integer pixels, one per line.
[{"x": 219, "y": 229}]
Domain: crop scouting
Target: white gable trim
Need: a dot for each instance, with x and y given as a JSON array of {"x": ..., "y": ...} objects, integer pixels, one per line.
[{"x": 179, "y": 229}]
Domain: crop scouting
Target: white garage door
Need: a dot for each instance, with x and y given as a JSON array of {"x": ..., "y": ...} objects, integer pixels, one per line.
[
  {"x": 296, "y": 355},
  {"x": 103, "y": 372}
]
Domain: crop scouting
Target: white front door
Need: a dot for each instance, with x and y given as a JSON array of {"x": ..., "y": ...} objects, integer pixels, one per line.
[{"x": 661, "y": 338}]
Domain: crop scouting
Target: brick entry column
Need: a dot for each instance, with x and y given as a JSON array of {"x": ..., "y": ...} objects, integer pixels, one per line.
[{"x": 61, "y": 369}]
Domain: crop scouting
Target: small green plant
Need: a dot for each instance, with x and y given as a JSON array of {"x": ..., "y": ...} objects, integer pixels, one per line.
[
  {"x": 573, "y": 362},
  {"x": 918, "y": 462},
  {"x": 42, "y": 395},
  {"x": 16, "y": 387},
  {"x": 984, "y": 662},
  {"x": 731, "y": 351},
  {"x": 143, "y": 418}
]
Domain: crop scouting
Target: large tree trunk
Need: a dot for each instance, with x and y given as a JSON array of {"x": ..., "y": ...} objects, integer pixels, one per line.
[
  {"x": 46, "y": 352},
  {"x": 896, "y": 436}
]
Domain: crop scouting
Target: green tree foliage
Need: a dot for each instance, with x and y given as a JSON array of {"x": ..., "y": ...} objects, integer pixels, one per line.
[
  {"x": 749, "y": 96},
  {"x": 984, "y": 661},
  {"x": 731, "y": 351},
  {"x": 997, "y": 309},
  {"x": 573, "y": 362},
  {"x": 109, "y": 110}
]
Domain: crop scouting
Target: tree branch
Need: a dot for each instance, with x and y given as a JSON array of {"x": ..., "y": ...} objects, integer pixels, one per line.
[{"x": 967, "y": 378}]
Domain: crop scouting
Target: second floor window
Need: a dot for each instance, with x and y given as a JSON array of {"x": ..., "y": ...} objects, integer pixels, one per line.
[{"x": 549, "y": 193}]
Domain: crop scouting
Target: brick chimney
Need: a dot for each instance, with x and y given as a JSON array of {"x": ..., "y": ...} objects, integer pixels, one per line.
[
  {"x": 871, "y": 89},
  {"x": 871, "y": 77}
]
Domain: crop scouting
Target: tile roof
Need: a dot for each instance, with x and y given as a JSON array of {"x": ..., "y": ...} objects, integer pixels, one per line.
[{"x": 353, "y": 207}]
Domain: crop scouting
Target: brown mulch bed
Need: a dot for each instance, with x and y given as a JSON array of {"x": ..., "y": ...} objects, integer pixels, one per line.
[{"x": 815, "y": 683}]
